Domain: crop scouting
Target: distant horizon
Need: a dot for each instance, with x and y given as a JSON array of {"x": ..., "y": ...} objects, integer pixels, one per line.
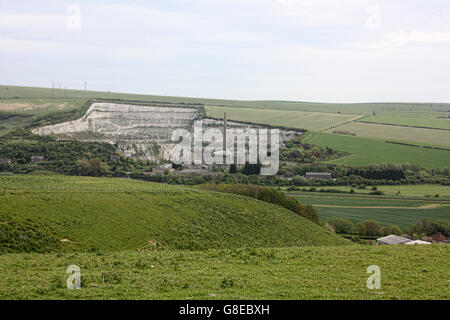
[{"x": 227, "y": 99}]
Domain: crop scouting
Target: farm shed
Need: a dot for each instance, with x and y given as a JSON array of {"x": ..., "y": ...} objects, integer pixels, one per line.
[
  {"x": 392, "y": 239},
  {"x": 318, "y": 175}
]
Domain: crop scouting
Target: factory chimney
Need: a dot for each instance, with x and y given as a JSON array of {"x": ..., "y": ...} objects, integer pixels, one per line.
[{"x": 224, "y": 137}]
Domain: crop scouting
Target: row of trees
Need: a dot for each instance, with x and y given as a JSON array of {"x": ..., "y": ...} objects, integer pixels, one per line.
[
  {"x": 421, "y": 228},
  {"x": 269, "y": 195},
  {"x": 364, "y": 228},
  {"x": 373, "y": 174}
]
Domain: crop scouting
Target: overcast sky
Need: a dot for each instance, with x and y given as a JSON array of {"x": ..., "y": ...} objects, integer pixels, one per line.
[{"x": 308, "y": 50}]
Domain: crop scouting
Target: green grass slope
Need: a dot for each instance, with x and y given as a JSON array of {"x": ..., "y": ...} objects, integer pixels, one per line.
[
  {"x": 407, "y": 272},
  {"x": 367, "y": 151},
  {"x": 91, "y": 214}
]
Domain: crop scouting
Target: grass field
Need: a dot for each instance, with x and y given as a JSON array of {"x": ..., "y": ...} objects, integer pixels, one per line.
[
  {"x": 26, "y": 111},
  {"x": 403, "y": 218},
  {"x": 356, "y": 207},
  {"x": 389, "y": 132},
  {"x": 366, "y": 151},
  {"x": 36, "y": 106},
  {"x": 38, "y": 212},
  {"x": 413, "y": 191},
  {"x": 314, "y": 121},
  {"x": 355, "y": 201},
  {"x": 429, "y": 119},
  {"x": 407, "y": 272}
]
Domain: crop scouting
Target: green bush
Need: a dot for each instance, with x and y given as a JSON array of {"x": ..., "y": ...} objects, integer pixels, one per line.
[
  {"x": 361, "y": 229},
  {"x": 340, "y": 225},
  {"x": 395, "y": 230},
  {"x": 373, "y": 228},
  {"x": 428, "y": 227}
]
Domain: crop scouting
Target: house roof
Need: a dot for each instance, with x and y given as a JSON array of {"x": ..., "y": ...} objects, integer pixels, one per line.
[{"x": 393, "y": 239}]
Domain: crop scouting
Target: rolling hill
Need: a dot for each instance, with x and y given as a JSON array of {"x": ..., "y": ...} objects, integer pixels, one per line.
[{"x": 59, "y": 213}]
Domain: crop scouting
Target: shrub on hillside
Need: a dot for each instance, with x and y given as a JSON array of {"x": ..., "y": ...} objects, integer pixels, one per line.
[
  {"x": 373, "y": 228},
  {"x": 395, "y": 230},
  {"x": 340, "y": 225},
  {"x": 361, "y": 229},
  {"x": 94, "y": 167},
  {"x": 266, "y": 194},
  {"x": 428, "y": 227}
]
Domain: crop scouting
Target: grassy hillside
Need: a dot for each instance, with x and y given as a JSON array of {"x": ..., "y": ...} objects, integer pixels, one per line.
[
  {"x": 407, "y": 272},
  {"x": 367, "y": 151},
  {"x": 11, "y": 92},
  {"x": 90, "y": 214},
  {"x": 315, "y": 121}
]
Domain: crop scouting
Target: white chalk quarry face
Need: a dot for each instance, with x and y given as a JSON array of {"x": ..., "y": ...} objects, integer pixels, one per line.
[
  {"x": 144, "y": 131},
  {"x": 141, "y": 132},
  {"x": 113, "y": 121}
]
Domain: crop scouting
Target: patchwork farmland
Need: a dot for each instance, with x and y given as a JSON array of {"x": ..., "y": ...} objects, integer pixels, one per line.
[
  {"x": 367, "y": 151},
  {"x": 315, "y": 121},
  {"x": 387, "y": 211},
  {"x": 438, "y": 137}
]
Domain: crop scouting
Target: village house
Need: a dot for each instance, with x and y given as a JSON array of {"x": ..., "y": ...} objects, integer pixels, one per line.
[
  {"x": 37, "y": 158},
  {"x": 5, "y": 161},
  {"x": 318, "y": 175}
]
